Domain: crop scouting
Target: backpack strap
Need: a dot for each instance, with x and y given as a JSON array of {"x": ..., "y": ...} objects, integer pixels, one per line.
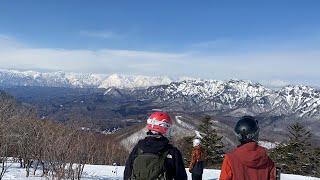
[{"x": 163, "y": 159}]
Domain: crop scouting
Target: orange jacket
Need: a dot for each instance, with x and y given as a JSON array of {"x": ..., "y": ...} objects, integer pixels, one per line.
[
  {"x": 248, "y": 162},
  {"x": 197, "y": 155}
]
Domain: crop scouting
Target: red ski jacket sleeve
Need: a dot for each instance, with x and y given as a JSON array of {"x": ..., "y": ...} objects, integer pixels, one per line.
[{"x": 226, "y": 171}]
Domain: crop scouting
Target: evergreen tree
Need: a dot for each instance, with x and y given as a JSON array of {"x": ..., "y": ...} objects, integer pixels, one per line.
[
  {"x": 316, "y": 161},
  {"x": 296, "y": 156},
  {"x": 185, "y": 146},
  {"x": 211, "y": 143},
  {"x": 297, "y": 133}
]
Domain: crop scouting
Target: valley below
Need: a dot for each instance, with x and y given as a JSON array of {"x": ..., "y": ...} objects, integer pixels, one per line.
[{"x": 110, "y": 110}]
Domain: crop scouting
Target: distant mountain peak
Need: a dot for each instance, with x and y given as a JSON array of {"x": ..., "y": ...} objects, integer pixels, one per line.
[{"x": 139, "y": 81}]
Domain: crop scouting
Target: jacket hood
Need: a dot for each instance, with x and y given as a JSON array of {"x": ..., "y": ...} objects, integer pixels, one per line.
[
  {"x": 154, "y": 144},
  {"x": 252, "y": 155}
]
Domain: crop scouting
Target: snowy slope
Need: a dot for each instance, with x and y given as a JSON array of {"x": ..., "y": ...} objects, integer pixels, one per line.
[{"x": 104, "y": 172}]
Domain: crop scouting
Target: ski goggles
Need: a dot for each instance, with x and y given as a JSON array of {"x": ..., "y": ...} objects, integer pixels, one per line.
[{"x": 155, "y": 122}]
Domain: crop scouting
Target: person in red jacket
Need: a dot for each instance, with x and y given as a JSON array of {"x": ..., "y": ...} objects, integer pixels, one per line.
[
  {"x": 248, "y": 161},
  {"x": 197, "y": 157}
]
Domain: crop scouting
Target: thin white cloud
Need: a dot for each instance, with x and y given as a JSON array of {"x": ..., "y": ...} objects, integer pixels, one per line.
[
  {"x": 4, "y": 37},
  {"x": 213, "y": 44},
  {"x": 106, "y": 60},
  {"x": 144, "y": 54},
  {"x": 275, "y": 83},
  {"x": 264, "y": 67},
  {"x": 106, "y": 34},
  {"x": 8, "y": 42}
]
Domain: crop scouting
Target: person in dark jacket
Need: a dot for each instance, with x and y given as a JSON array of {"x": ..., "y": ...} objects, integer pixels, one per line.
[
  {"x": 159, "y": 128},
  {"x": 248, "y": 161}
]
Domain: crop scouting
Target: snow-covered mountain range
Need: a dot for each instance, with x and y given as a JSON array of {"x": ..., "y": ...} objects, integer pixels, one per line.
[
  {"x": 79, "y": 80},
  {"x": 234, "y": 96},
  {"x": 126, "y": 97}
]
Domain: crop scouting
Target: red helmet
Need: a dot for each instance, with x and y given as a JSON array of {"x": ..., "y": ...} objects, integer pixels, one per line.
[{"x": 160, "y": 122}]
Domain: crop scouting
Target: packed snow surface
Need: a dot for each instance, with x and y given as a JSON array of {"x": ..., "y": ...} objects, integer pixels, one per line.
[{"x": 105, "y": 172}]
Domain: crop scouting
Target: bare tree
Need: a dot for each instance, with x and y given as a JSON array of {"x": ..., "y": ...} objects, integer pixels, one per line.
[
  {"x": 10, "y": 112},
  {"x": 62, "y": 149}
]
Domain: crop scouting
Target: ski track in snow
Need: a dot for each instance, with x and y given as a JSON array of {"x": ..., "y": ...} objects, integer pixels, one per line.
[
  {"x": 105, "y": 172},
  {"x": 182, "y": 123}
]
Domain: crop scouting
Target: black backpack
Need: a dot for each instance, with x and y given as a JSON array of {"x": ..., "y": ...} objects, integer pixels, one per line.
[{"x": 149, "y": 166}]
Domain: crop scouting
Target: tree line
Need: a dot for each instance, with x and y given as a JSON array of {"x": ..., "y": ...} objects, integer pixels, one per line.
[{"x": 61, "y": 149}]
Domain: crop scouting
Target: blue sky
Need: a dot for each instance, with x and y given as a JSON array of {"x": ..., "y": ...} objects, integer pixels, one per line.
[{"x": 272, "y": 42}]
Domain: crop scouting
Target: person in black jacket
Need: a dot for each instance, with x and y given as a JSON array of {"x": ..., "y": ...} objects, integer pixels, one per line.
[{"x": 160, "y": 127}]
